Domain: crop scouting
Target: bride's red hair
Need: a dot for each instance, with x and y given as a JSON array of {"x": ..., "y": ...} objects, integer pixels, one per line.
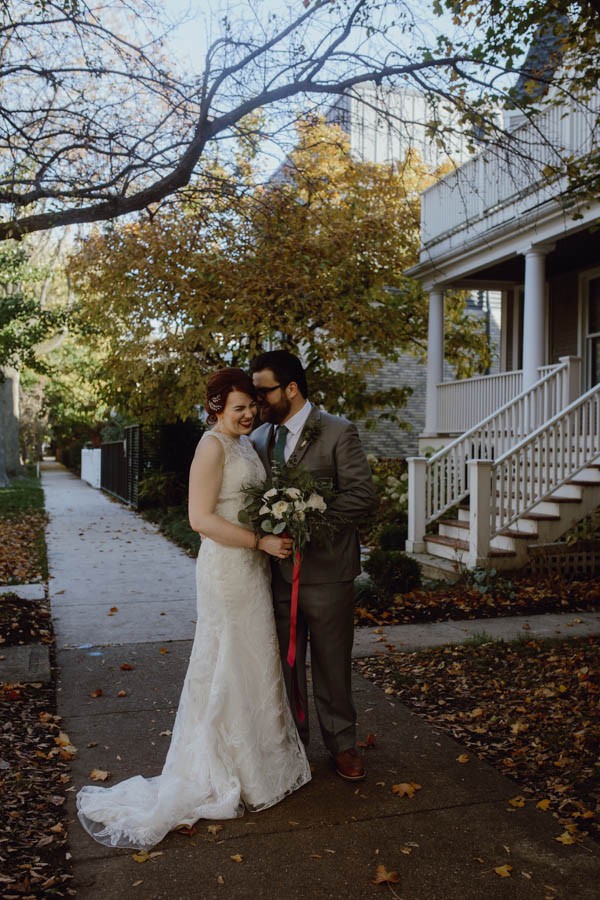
[{"x": 220, "y": 384}]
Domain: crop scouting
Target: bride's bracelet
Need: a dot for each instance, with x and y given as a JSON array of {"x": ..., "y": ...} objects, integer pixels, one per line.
[{"x": 256, "y": 540}]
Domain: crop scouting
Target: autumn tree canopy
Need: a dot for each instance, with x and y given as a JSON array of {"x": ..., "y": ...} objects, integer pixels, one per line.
[
  {"x": 312, "y": 262},
  {"x": 98, "y": 120}
]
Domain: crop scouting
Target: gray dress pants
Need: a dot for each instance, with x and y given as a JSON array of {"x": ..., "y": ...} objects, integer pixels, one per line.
[{"x": 326, "y": 612}]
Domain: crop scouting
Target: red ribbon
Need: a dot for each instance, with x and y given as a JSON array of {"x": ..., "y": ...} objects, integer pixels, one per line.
[{"x": 291, "y": 654}]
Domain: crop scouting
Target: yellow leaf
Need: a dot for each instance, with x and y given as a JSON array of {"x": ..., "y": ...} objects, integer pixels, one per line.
[
  {"x": 382, "y": 876},
  {"x": 463, "y": 758},
  {"x": 99, "y": 775},
  {"x": 237, "y": 857},
  {"x": 566, "y": 838},
  {"x": 517, "y": 801},
  {"x": 214, "y": 829},
  {"x": 503, "y": 871},
  {"x": 543, "y": 804},
  {"x": 406, "y": 789}
]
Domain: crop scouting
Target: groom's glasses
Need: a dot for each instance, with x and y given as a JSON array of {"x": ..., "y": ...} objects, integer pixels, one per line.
[{"x": 261, "y": 393}]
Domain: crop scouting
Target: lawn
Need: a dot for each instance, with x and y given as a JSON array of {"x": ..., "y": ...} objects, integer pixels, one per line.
[
  {"x": 22, "y": 523},
  {"x": 530, "y": 708},
  {"x": 34, "y": 753}
]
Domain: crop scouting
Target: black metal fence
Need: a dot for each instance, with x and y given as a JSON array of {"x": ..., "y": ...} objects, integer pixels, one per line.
[{"x": 144, "y": 451}]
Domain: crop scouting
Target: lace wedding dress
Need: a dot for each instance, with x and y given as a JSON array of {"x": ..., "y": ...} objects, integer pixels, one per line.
[{"x": 234, "y": 742}]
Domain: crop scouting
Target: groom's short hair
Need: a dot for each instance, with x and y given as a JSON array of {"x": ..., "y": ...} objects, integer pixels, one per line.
[{"x": 284, "y": 365}]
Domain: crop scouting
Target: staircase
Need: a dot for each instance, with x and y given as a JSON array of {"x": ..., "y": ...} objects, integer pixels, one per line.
[
  {"x": 547, "y": 521},
  {"x": 509, "y": 487}
]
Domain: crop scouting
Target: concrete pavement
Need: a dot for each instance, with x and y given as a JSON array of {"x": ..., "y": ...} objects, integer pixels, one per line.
[{"x": 325, "y": 841}]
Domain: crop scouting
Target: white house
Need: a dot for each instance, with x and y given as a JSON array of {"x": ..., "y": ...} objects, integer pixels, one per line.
[{"x": 520, "y": 450}]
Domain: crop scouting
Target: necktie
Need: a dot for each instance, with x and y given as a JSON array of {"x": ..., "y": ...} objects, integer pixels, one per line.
[{"x": 278, "y": 449}]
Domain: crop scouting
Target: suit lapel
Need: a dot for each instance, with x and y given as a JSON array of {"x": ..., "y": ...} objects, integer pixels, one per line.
[{"x": 303, "y": 443}]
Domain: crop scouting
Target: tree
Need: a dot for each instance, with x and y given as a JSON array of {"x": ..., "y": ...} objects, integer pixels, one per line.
[
  {"x": 313, "y": 262},
  {"x": 97, "y": 122},
  {"x": 25, "y": 322}
]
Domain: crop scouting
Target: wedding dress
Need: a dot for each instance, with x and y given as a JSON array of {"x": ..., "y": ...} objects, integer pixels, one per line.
[{"x": 234, "y": 742}]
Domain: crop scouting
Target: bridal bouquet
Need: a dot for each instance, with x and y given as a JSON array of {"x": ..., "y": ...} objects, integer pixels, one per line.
[
  {"x": 294, "y": 503},
  {"x": 291, "y": 502}
]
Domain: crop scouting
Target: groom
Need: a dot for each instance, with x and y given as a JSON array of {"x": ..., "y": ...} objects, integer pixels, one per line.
[{"x": 296, "y": 433}]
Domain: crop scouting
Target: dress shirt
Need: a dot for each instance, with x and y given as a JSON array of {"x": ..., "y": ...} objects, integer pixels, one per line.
[{"x": 294, "y": 427}]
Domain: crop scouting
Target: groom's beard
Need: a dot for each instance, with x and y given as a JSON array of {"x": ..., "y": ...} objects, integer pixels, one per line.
[{"x": 276, "y": 412}]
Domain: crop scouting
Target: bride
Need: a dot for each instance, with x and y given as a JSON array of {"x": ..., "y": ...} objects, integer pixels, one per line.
[{"x": 234, "y": 743}]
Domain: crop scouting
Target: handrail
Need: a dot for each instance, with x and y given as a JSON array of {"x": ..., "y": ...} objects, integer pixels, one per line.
[
  {"x": 547, "y": 458},
  {"x": 447, "y": 475}
]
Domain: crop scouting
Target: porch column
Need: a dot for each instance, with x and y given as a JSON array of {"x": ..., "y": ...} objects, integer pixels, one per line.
[
  {"x": 435, "y": 359},
  {"x": 534, "y": 334}
]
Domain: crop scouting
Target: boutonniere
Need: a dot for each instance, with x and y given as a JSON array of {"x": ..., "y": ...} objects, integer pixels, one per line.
[{"x": 311, "y": 432}]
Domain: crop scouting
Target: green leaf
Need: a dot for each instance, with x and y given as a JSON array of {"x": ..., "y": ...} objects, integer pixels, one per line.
[
  {"x": 267, "y": 526},
  {"x": 279, "y": 528}
]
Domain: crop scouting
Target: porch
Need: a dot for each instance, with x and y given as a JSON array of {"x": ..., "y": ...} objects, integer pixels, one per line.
[{"x": 516, "y": 454}]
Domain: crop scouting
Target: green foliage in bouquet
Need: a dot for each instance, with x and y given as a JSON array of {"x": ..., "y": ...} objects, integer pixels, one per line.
[{"x": 291, "y": 502}]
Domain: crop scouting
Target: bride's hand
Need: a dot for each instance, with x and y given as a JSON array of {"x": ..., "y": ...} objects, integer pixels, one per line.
[{"x": 279, "y": 547}]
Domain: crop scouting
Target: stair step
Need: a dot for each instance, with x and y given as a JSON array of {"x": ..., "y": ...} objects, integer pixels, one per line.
[
  {"x": 552, "y": 499},
  {"x": 519, "y": 535},
  {"x": 540, "y": 517},
  {"x": 455, "y": 523},
  {"x": 584, "y": 482},
  {"x": 462, "y": 545}
]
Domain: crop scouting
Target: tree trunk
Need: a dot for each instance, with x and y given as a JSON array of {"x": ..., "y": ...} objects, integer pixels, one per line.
[{"x": 10, "y": 463}]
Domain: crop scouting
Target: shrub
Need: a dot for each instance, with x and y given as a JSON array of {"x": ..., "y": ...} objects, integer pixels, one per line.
[
  {"x": 393, "y": 572},
  {"x": 393, "y": 537}
]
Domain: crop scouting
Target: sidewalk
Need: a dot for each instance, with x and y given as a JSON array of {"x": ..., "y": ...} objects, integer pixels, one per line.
[{"x": 325, "y": 841}]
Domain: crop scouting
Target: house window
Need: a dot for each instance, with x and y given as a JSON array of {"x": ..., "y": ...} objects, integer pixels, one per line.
[{"x": 593, "y": 332}]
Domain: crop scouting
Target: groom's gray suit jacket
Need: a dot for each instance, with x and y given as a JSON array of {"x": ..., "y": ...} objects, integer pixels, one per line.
[{"x": 334, "y": 453}]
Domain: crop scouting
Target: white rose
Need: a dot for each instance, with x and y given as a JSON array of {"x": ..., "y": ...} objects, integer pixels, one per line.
[
  {"x": 299, "y": 505},
  {"x": 315, "y": 501},
  {"x": 294, "y": 493},
  {"x": 280, "y": 508},
  {"x": 264, "y": 510},
  {"x": 271, "y": 493}
]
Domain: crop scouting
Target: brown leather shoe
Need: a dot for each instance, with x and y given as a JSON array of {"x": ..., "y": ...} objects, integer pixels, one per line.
[{"x": 349, "y": 765}]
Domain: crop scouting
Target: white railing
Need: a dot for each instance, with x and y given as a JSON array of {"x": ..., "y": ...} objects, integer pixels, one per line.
[
  {"x": 545, "y": 460},
  {"x": 439, "y": 483},
  {"x": 488, "y": 185},
  {"x": 462, "y": 404},
  {"x": 91, "y": 463}
]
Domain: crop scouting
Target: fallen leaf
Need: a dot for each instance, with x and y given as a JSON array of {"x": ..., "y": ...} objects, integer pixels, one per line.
[
  {"x": 137, "y": 883},
  {"x": 163, "y": 650},
  {"x": 96, "y": 693},
  {"x": 220, "y": 879},
  {"x": 237, "y": 857},
  {"x": 503, "y": 871},
  {"x": 517, "y": 802},
  {"x": 543, "y": 804},
  {"x": 99, "y": 775},
  {"x": 126, "y": 667},
  {"x": 406, "y": 789},
  {"x": 121, "y": 693},
  {"x": 463, "y": 758},
  {"x": 566, "y": 838},
  {"x": 383, "y": 876}
]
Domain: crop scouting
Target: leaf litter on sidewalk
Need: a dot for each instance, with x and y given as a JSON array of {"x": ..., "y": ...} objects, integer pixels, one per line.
[{"x": 530, "y": 708}]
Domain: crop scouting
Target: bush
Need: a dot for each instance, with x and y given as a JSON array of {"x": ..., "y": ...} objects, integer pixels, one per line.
[
  {"x": 393, "y": 537},
  {"x": 393, "y": 572}
]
